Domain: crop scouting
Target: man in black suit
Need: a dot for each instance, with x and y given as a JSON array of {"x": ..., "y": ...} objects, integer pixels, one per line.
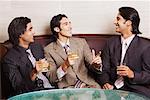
[
  {"x": 126, "y": 58},
  {"x": 20, "y": 65}
]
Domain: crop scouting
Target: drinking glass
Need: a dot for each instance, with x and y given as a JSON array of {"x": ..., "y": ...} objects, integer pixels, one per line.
[
  {"x": 45, "y": 66},
  {"x": 72, "y": 56}
]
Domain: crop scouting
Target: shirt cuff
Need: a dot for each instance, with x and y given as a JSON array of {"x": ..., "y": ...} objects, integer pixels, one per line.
[{"x": 60, "y": 73}]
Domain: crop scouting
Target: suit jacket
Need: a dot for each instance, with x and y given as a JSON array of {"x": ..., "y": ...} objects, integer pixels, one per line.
[
  {"x": 137, "y": 58},
  {"x": 56, "y": 56},
  {"x": 17, "y": 68}
]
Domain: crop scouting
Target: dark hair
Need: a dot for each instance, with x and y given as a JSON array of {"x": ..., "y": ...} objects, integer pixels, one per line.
[
  {"x": 55, "y": 22},
  {"x": 17, "y": 27},
  {"x": 131, "y": 14}
]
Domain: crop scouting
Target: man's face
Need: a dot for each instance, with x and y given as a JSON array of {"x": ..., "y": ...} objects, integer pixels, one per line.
[
  {"x": 120, "y": 23},
  {"x": 65, "y": 27},
  {"x": 27, "y": 37}
]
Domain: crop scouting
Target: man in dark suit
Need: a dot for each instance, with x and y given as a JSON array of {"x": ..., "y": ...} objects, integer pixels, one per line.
[
  {"x": 126, "y": 58},
  {"x": 20, "y": 65}
]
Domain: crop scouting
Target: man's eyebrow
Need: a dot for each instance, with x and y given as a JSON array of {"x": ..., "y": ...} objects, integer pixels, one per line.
[
  {"x": 118, "y": 17},
  {"x": 64, "y": 22},
  {"x": 31, "y": 27}
]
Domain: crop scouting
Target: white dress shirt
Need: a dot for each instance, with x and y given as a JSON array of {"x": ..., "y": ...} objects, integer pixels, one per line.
[{"x": 125, "y": 44}]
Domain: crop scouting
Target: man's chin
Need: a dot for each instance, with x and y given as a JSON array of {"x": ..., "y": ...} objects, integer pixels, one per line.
[
  {"x": 117, "y": 31},
  {"x": 70, "y": 35},
  {"x": 32, "y": 41}
]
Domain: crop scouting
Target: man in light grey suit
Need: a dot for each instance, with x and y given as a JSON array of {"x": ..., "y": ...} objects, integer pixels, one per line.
[{"x": 68, "y": 56}]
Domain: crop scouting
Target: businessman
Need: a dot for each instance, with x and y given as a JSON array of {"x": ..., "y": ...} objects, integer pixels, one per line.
[
  {"x": 20, "y": 65},
  {"x": 69, "y": 56},
  {"x": 125, "y": 58}
]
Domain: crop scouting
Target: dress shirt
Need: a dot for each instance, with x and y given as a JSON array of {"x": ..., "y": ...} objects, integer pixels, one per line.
[{"x": 125, "y": 44}]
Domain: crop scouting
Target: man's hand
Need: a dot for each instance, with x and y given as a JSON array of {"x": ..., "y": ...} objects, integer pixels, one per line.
[
  {"x": 38, "y": 66},
  {"x": 107, "y": 86},
  {"x": 42, "y": 65},
  {"x": 124, "y": 70},
  {"x": 96, "y": 59},
  {"x": 71, "y": 59}
]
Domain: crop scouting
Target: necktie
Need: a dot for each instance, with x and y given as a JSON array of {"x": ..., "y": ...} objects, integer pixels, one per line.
[
  {"x": 66, "y": 48},
  {"x": 120, "y": 81},
  {"x": 39, "y": 75},
  {"x": 124, "y": 49}
]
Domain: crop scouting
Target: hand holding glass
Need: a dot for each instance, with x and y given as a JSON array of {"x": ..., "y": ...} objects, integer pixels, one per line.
[
  {"x": 72, "y": 56},
  {"x": 44, "y": 65},
  {"x": 121, "y": 68}
]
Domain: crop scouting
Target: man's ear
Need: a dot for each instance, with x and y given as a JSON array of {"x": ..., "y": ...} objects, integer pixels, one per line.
[
  {"x": 21, "y": 35},
  {"x": 57, "y": 29},
  {"x": 129, "y": 22}
]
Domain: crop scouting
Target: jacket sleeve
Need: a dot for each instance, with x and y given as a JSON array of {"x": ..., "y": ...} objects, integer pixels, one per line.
[
  {"x": 104, "y": 77},
  {"x": 143, "y": 77},
  {"x": 88, "y": 57},
  {"x": 12, "y": 72}
]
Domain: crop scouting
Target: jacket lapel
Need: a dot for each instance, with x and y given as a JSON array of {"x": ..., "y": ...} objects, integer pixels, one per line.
[
  {"x": 130, "y": 49},
  {"x": 73, "y": 46},
  {"x": 24, "y": 61},
  {"x": 118, "y": 50},
  {"x": 59, "y": 50}
]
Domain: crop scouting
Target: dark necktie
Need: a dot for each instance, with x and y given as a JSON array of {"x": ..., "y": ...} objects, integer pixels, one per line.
[{"x": 66, "y": 48}]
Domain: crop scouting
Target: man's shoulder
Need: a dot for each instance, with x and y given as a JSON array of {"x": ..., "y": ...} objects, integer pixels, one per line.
[
  {"x": 50, "y": 45},
  {"x": 144, "y": 41},
  {"x": 12, "y": 53}
]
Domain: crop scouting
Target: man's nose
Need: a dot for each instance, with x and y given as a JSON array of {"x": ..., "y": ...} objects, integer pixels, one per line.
[
  {"x": 70, "y": 26},
  {"x": 115, "y": 21},
  {"x": 33, "y": 32}
]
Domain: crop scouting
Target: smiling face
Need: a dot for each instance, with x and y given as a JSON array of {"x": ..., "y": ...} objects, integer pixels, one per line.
[
  {"x": 65, "y": 29},
  {"x": 123, "y": 26},
  {"x": 120, "y": 24}
]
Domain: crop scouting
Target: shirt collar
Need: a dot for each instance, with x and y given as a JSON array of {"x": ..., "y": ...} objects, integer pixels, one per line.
[
  {"x": 127, "y": 40},
  {"x": 64, "y": 44}
]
